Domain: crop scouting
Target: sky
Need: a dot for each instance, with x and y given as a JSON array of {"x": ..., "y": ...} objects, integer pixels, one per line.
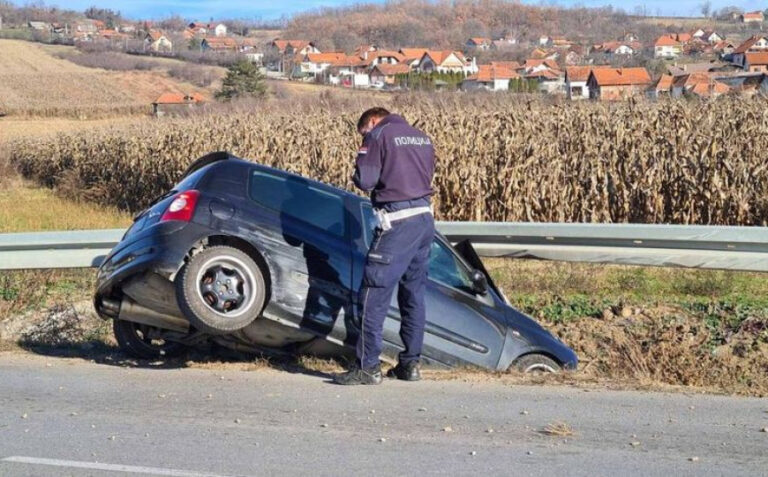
[{"x": 275, "y": 9}]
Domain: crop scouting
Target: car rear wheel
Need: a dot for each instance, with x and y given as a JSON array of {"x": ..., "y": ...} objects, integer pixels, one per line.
[
  {"x": 143, "y": 341},
  {"x": 536, "y": 364},
  {"x": 220, "y": 290}
]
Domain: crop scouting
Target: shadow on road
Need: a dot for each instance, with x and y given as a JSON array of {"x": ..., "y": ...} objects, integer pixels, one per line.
[{"x": 210, "y": 356}]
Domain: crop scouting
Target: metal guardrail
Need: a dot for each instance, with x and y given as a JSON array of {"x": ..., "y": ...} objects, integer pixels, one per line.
[{"x": 714, "y": 247}]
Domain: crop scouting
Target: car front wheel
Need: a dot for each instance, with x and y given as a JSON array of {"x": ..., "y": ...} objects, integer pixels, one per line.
[
  {"x": 536, "y": 364},
  {"x": 220, "y": 290}
]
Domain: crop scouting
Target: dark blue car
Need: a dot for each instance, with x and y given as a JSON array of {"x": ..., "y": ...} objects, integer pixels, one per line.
[{"x": 255, "y": 258}]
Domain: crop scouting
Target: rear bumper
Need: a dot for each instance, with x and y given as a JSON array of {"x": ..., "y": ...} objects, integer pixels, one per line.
[{"x": 160, "y": 249}]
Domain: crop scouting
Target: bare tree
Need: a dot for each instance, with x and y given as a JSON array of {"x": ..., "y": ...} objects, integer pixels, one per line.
[{"x": 705, "y": 8}]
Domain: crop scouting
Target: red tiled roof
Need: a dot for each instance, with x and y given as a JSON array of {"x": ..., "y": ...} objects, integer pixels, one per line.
[
  {"x": 413, "y": 52},
  {"x": 439, "y": 56},
  {"x": 757, "y": 58},
  {"x": 548, "y": 74},
  {"x": 621, "y": 76},
  {"x": 666, "y": 40},
  {"x": 581, "y": 73},
  {"x": 748, "y": 44},
  {"x": 758, "y": 15},
  {"x": 281, "y": 45},
  {"x": 534, "y": 62},
  {"x": 331, "y": 58},
  {"x": 488, "y": 73},
  {"x": 155, "y": 35},
  {"x": 511, "y": 65},
  {"x": 480, "y": 41},
  {"x": 710, "y": 89},
  {"x": 664, "y": 83},
  {"x": 179, "y": 98}
]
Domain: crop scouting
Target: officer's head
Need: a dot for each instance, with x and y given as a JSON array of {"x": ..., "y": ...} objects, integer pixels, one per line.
[{"x": 370, "y": 119}]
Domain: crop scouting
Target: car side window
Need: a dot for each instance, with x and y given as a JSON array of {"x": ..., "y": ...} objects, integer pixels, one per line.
[
  {"x": 446, "y": 268},
  {"x": 297, "y": 198}
]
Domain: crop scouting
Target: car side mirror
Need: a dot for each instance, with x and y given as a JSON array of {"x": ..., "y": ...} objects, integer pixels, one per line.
[{"x": 479, "y": 282}]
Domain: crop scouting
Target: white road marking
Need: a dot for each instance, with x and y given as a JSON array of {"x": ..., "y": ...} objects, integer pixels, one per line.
[{"x": 74, "y": 464}]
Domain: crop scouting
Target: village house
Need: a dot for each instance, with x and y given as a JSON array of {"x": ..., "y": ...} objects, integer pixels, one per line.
[
  {"x": 575, "y": 56},
  {"x": 176, "y": 103},
  {"x": 576, "y": 81},
  {"x": 363, "y": 51},
  {"x": 666, "y": 46},
  {"x": 610, "y": 84},
  {"x": 382, "y": 57},
  {"x": 662, "y": 87},
  {"x": 157, "y": 41},
  {"x": 533, "y": 65},
  {"x": 385, "y": 74},
  {"x": 412, "y": 56},
  {"x": 679, "y": 69},
  {"x": 545, "y": 40},
  {"x": 349, "y": 72},
  {"x": 493, "y": 77},
  {"x": 446, "y": 61},
  {"x": 478, "y": 44},
  {"x": 287, "y": 50},
  {"x": 752, "y": 17},
  {"x": 756, "y": 62},
  {"x": 698, "y": 84},
  {"x": 316, "y": 64},
  {"x": 551, "y": 81},
  {"x": 746, "y": 84},
  {"x": 220, "y": 30},
  {"x": 754, "y": 44},
  {"x": 725, "y": 49},
  {"x": 200, "y": 29},
  {"x": 502, "y": 44},
  {"x": 219, "y": 44},
  {"x": 712, "y": 37},
  {"x": 39, "y": 26},
  {"x": 618, "y": 48},
  {"x": 542, "y": 54}
]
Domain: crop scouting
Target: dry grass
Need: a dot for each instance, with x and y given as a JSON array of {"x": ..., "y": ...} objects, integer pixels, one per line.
[
  {"x": 34, "y": 82},
  {"x": 25, "y": 208},
  {"x": 498, "y": 159},
  {"x": 558, "y": 429}
]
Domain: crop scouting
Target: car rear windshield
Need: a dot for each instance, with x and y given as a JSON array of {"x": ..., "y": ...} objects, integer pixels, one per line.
[{"x": 297, "y": 198}]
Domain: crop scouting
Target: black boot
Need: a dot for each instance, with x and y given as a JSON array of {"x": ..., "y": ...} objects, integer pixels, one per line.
[
  {"x": 406, "y": 372},
  {"x": 357, "y": 375}
]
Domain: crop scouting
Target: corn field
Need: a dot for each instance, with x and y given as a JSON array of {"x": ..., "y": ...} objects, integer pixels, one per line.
[{"x": 498, "y": 160}]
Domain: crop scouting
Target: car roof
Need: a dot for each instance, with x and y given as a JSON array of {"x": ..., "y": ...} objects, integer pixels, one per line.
[{"x": 212, "y": 160}]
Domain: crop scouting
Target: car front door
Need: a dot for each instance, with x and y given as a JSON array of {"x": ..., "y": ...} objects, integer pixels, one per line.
[
  {"x": 462, "y": 326},
  {"x": 302, "y": 227}
]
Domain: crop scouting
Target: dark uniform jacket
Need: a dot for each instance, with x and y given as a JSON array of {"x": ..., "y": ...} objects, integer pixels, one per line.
[{"x": 395, "y": 163}]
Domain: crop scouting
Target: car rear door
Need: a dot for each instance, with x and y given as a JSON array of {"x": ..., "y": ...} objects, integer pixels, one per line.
[
  {"x": 301, "y": 226},
  {"x": 462, "y": 327}
]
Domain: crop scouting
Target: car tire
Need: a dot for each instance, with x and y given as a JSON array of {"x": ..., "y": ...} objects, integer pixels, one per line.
[
  {"x": 220, "y": 290},
  {"x": 536, "y": 363},
  {"x": 133, "y": 339}
]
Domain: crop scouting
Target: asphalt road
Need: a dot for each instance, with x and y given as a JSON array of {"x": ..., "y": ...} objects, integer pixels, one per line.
[{"x": 72, "y": 417}]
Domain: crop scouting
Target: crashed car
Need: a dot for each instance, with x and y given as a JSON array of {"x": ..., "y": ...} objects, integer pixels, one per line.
[{"x": 255, "y": 258}]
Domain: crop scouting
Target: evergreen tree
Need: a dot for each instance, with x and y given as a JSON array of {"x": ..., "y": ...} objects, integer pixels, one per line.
[{"x": 243, "y": 80}]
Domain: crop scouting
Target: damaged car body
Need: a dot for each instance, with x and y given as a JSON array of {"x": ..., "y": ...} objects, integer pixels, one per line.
[{"x": 255, "y": 258}]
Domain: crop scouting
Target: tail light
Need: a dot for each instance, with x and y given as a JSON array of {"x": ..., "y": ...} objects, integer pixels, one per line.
[{"x": 182, "y": 206}]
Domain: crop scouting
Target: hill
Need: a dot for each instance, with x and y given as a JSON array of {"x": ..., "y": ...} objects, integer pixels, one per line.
[
  {"x": 35, "y": 82},
  {"x": 445, "y": 24}
]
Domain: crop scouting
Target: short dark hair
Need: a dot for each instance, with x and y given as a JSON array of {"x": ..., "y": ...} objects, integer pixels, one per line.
[{"x": 377, "y": 112}]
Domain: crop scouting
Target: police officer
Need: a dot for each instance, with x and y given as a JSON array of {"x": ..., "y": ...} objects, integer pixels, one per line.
[{"x": 395, "y": 165}]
